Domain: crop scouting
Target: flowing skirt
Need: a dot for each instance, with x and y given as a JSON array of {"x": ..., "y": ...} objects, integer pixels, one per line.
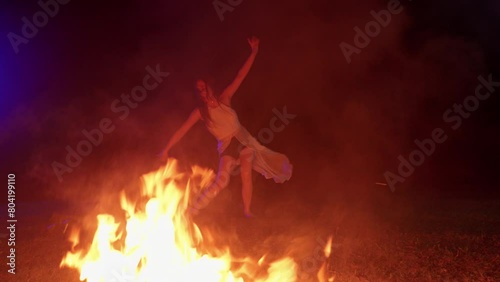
[{"x": 266, "y": 162}]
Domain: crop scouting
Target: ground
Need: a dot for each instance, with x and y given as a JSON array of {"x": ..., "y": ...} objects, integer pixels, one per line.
[{"x": 383, "y": 238}]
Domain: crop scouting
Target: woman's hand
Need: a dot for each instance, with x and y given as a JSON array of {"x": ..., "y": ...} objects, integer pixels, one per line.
[{"x": 254, "y": 43}]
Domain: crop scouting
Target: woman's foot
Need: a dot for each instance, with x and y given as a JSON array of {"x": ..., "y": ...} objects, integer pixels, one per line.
[{"x": 249, "y": 214}]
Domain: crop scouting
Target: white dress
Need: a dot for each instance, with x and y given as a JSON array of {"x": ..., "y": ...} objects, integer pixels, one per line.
[{"x": 224, "y": 125}]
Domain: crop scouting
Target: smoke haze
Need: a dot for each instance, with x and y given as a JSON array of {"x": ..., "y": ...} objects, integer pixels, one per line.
[{"x": 352, "y": 119}]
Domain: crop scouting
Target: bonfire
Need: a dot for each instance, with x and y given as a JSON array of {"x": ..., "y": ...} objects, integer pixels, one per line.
[{"x": 159, "y": 241}]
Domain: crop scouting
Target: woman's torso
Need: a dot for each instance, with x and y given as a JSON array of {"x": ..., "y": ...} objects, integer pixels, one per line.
[{"x": 223, "y": 122}]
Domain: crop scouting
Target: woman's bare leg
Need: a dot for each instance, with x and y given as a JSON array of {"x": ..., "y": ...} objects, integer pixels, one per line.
[
  {"x": 246, "y": 161},
  {"x": 226, "y": 165}
]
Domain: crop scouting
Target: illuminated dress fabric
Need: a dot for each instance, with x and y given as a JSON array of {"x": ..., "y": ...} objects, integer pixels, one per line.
[{"x": 224, "y": 125}]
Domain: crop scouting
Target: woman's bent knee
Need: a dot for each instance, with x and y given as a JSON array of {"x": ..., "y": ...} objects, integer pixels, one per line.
[{"x": 247, "y": 155}]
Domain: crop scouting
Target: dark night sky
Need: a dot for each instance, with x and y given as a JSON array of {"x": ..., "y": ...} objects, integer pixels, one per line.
[{"x": 353, "y": 120}]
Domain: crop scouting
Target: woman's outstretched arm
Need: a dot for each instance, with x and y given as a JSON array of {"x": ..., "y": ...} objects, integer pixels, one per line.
[
  {"x": 228, "y": 93},
  {"x": 192, "y": 119}
]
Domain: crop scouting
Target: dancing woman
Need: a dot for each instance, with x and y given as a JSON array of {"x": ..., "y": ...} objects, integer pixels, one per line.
[{"x": 235, "y": 145}]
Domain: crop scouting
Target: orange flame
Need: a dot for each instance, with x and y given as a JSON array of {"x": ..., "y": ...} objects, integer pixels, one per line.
[
  {"x": 324, "y": 273},
  {"x": 159, "y": 241}
]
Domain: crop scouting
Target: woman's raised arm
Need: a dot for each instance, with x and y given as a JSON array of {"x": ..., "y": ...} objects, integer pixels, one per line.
[{"x": 228, "y": 93}]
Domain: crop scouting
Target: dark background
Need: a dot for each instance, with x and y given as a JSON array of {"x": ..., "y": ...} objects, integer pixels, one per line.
[{"x": 353, "y": 120}]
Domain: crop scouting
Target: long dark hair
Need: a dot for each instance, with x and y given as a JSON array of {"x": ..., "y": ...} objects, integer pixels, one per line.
[{"x": 202, "y": 106}]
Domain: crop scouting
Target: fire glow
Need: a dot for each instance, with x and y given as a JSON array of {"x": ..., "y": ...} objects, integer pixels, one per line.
[{"x": 160, "y": 243}]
